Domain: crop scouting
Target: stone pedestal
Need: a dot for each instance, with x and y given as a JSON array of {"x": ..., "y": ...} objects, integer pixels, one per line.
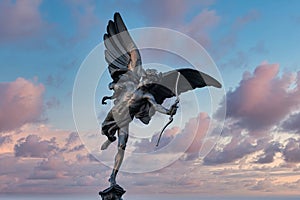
[{"x": 114, "y": 192}]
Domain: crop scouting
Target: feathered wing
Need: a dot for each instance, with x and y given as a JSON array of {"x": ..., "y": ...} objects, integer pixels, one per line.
[
  {"x": 121, "y": 53},
  {"x": 189, "y": 79}
]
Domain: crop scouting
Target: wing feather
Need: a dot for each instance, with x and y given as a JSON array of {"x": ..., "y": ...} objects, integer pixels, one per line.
[
  {"x": 111, "y": 60},
  {"x": 113, "y": 35},
  {"x": 189, "y": 79},
  {"x": 110, "y": 47},
  {"x": 121, "y": 51}
]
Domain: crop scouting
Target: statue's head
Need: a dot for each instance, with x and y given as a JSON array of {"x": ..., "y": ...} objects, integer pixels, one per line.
[{"x": 151, "y": 76}]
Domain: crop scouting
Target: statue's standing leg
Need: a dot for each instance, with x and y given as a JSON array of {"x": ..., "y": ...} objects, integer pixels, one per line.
[{"x": 123, "y": 137}]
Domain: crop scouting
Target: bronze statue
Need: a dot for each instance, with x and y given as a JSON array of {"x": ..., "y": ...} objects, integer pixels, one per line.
[{"x": 138, "y": 93}]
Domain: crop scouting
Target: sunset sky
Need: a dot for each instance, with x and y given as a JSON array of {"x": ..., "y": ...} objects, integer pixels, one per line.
[{"x": 255, "y": 46}]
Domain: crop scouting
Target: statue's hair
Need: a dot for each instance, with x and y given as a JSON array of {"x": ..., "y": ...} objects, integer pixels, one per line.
[{"x": 152, "y": 75}]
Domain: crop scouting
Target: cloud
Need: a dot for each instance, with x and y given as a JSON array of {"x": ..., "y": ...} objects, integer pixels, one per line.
[
  {"x": 263, "y": 99},
  {"x": 146, "y": 145},
  {"x": 168, "y": 13},
  {"x": 238, "y": 147},
  {"x": 53, "y": 167},
  {"x": 269, "y": 153},
  {"x": 251, "y": 16},
  {"x": 84, "y": 15},
  {"x": 239, "y": 60},
  {"x": 172, "y": 14},
  {"x": 20, "y": 19},
  {"x": 33, "y": 146},
  {"x": 77, "y": 148},
  {"x": 292, "y": 124},
  {"x": 46, "y": 160},
  {"x": 200, "y": 26},
  {"x": 202, "y": 123},
  {"x": 7, "y": 139},
  {"x": 54, "y": 81},
  {"x": 53, "y": 103},
  {"x": 21, "y": 102},
  {"x": 193, "y": 132},
  {"x": 259, "y": 48},
  {"x": 73, "y": 138},
  {"x": 228, "y": 41},
  {"x": 291, "y": 151},
  {"x": 262, "y": 185},
  {"x": 258, "y": 105}
]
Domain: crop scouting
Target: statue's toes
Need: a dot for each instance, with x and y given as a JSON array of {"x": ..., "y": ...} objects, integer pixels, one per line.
[{"x": 105, "y": 145}]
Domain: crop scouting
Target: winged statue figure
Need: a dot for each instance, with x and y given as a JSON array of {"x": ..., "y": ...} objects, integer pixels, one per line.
[{"x": 139, "y": 93}]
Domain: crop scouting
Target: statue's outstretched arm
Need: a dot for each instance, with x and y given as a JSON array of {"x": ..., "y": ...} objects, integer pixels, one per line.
[{"x": 157, "y": 106}]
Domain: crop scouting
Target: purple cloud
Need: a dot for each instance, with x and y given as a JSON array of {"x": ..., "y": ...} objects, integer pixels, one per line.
[
  {"x": 292, "y": 123},
  {"x": 54, "y": 81},
  {"x": 291, "y": 151},
  {"x": 33, "y": 146},
  {"x": 7, "y": 139},
  {"x": 269, "y": 153},
  {"x": 53, "y": 103},
  {"x": 259, "y": 48},
  {"x": 237, "y": 148},
  {"x": 73, "y": 137}
]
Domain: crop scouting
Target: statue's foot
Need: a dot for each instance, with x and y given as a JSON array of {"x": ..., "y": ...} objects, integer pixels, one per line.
[
  {"x": 112, "y": 181},
  {"x": 106, "y": 144}
]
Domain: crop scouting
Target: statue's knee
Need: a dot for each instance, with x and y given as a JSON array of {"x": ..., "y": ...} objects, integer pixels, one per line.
[
  {"x": 122, "y": 142},
  {"x": 122, "y": 146}
]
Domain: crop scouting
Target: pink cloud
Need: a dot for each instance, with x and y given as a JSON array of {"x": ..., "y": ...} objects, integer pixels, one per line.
[
  {"x": 20, "y": 19},
  {"x": 261, "y": 102},
  {"x": 169, "y": 12},
  {"x": 202, "y": 123},
  {"x": 193, "y": 132},
  {"x": 263, "y": 99},
  {"x": 200, "y": 26},
  {"x": 164, "y": 12},
  {"x": 251, "y": 16},
  {"x": 84, "y": 15},
  {"x": 228, "y": 41},
  {"x": 173, "y": 13},
  {"x": 21, "y": 102}
]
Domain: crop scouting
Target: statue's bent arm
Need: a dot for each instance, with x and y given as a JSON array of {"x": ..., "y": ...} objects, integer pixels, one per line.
[{"x": 156, "y": 106}]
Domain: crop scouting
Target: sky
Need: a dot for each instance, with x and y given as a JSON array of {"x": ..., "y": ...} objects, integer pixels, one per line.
[{"x": 255, "y": 47}]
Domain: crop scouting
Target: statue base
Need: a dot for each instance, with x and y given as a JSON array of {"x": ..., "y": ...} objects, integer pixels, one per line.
[{"x": 114, "y": 192}]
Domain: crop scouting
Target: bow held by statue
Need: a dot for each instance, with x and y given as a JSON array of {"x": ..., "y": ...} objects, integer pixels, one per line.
[{"x": 173, "y": 110}]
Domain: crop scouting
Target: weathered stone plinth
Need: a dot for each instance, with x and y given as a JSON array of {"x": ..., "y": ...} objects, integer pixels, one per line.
[{"x": 114, "y": 192}]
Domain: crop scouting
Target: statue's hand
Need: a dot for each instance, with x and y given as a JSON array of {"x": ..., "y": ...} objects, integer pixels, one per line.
[
  {"x": 104, "y": 99},
  {"x": 173, "y": 110}
]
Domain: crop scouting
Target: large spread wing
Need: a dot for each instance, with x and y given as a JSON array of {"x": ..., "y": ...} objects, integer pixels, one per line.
[
  {"x": 121, "y": 53},
  {"x": 189, "y": 79}
]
